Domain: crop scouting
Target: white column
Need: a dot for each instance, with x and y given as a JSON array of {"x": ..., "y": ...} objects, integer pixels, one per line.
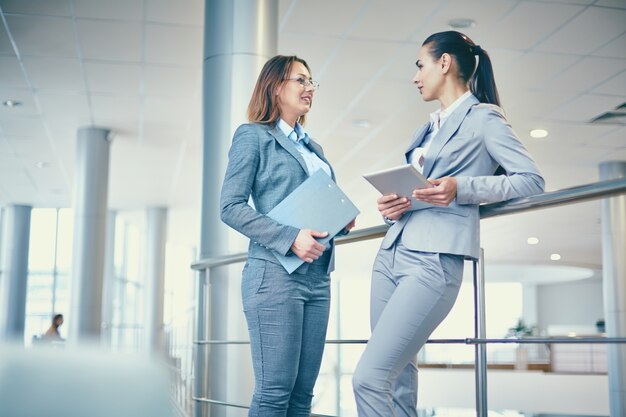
[
  {"x": 156, "y": 228},
  {"x": 614, "y": 284},
  {"x": 240, "y": 36},
  {"x": 14, "y": 266},
  {"x": 91, "y": 177}
]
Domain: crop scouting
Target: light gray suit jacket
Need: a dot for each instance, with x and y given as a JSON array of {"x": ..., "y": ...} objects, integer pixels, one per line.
[
  {"x": 265, "y": 164},
  {"x": 471, "y": 145}
]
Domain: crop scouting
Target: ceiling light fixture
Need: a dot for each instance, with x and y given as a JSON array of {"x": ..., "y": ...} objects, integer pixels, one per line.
[
  {"x": 555, "y": 257},
  {"x": 41, "y": 164},
  {"x": 461, "y": 23},
  {"x": 12, "y": 103},
  {"x": 538, "y": 133},
  {"x": 532, "y": 240}
]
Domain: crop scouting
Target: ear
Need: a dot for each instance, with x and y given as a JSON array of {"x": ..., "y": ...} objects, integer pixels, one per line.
[
  {"x": 278, "y": 89},
  {"x": 446, "y": 62}
]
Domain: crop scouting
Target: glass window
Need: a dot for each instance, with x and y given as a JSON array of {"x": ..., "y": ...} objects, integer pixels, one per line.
[
  {"x": 65, "y": 240},
  {"x": 42, "y": 239}
]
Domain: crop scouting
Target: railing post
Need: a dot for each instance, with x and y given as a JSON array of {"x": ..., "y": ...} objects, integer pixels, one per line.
[
  {"x": 200, "y": 369},
  {"x": 480, "y": 332}
]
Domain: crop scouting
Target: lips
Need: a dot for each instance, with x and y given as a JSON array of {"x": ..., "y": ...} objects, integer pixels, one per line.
[{"x": 307, "y": 99}]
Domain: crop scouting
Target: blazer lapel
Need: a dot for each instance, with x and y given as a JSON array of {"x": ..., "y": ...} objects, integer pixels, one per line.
[
  {"x": 417, "y": 139},
  {"x": 286, "y": 143},
  {"x": 445, "y": 133}
]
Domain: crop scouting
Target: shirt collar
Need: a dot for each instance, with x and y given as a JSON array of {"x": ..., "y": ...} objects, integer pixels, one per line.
[
  {"x": 442, "y": 115},
  {"x": 296, "y": 134}
]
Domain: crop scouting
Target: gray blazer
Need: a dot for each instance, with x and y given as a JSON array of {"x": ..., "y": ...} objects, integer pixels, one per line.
[
  {"x": 265, "y": 164},
  {"x": 471, "y": 145}
]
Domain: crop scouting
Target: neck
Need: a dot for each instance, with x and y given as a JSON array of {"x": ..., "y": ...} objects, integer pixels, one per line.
[
  {"x": 452, "y": 95},
  {"x": 290, "y": 120}
]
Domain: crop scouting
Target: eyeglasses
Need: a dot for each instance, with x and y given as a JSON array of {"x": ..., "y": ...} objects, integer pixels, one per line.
[{"x": 305, "y": 83}]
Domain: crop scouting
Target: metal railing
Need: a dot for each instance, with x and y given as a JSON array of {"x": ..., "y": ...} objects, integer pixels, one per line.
[{"x": 567, "y": 196}]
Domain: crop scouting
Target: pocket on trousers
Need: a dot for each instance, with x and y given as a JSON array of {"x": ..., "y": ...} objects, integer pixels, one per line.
[{"x": 252, "y": 278}]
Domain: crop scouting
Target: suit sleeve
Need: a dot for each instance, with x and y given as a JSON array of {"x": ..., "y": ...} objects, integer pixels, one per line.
[
  {"x": 243, "y": 164},
  {"x": 522, "y": 177}
]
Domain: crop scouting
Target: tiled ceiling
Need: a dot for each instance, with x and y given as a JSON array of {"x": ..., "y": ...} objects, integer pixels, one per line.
[{"x": 135, "y": 66}]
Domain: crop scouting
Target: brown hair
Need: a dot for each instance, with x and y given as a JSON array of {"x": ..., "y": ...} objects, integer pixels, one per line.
[{"x": 262, "y": 107}]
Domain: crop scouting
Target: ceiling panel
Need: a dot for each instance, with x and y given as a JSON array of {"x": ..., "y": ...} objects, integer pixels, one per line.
[
  {"x": 22, "y": 127},
  {"x": 39, "y": 7},
  {"x": 613, "y": 86},
  {"x": 43, "y": 36},
  {"x": 578, "y": 76},
  {"x": 513, "y": 30},
  {"x": 171, "y": 82},
  {"x": 6, "y": 48},
  {"x": 12, "y": 74},
  {"x": 587, "y": 32},
  {"x": 164, "y": 44},
  {"x": 55, "y": 74},
  {"x": 585, "y": 108},
  {"x": 615, "y": 48},
  {"x": 370, "y": 26},
  {"x": 330, "y": 17},
  {"x": 101, "y": 39},
  {"x": 186, "y": 12},
  {"x": 122, "y": 79},
  {"x": 109, "y": 9},
  {"x": 112, "y": 107},
  {"x": 486, "y": 14}
]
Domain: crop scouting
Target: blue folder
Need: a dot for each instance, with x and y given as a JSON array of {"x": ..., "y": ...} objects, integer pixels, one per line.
[{"x": 318, "y": 204}]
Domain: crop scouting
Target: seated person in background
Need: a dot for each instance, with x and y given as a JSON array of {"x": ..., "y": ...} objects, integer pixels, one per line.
[{"x": 52, "y": 334}]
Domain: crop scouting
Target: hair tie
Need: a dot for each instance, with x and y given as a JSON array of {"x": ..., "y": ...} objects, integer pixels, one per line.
[{"x": 476, "y": 49}]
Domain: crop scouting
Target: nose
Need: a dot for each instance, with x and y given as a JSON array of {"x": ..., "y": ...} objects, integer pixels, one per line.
[{"x": 416, "y": 77}]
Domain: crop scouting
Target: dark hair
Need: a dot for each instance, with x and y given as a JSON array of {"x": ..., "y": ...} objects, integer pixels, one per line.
[
  {"x": 463, "y": 49},
  {"x": 262, "y": 107},
  {"x": 56, "y": 317}
]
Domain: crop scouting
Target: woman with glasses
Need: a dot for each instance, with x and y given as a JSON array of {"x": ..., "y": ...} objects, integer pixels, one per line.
[
  {"x": 287, "y": 314},
  {"x": 417, "y": 273}
]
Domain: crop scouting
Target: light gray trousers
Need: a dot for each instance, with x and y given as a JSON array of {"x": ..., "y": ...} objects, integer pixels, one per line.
[{"x": 412, "y": 292}]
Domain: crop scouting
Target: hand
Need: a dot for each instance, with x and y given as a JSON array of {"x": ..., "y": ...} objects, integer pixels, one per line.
[
  {"x": 306, "y": 247},
  {"x": 442, "y": 194},
  {"x": 393, "y": 207},
  {"x": 350, "y": 225}
]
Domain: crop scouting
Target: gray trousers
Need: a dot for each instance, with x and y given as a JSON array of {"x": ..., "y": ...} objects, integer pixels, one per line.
[{"x": 412, "y": 292}]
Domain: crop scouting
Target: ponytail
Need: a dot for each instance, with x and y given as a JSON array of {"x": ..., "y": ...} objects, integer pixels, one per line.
[
  {"x": 479, "y": 77},
  {"x": 483, "y": 83}
]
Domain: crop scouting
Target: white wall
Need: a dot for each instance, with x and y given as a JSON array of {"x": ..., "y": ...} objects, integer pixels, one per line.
[{"x": 576, "y": 303}]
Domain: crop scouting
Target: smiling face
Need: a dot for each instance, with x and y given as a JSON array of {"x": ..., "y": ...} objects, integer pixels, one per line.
[
  {"x": 294, "y": 99},
  {"x": 430, "y": 75}
]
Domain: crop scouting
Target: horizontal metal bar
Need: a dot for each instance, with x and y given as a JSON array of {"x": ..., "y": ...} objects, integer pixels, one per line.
[
  {"x": 549, "y": 340},
  {"x": 576, "y": 194},
  {"x": 466, "y": 341},
  {"x": 550, "y": 199},
  {"x": 226, "y": 404}
]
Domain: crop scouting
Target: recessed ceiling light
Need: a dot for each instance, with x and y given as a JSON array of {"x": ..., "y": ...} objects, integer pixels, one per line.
[
  {"x": 363, "y": 123},
  {"x": 538, "y": 133},
  {"x": 555, "y": 257},
  {"x": 532, "y": 240},
  {"x": 12, "y": 103},
  {"x": 461, "y": 23},
  {"x": 41, "y": 164}
]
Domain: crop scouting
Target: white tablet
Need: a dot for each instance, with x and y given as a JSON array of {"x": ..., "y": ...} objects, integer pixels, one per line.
[{"x": 400, "y": 180}]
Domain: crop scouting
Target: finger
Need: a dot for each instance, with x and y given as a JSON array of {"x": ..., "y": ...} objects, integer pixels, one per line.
[
  {"x": 316, "y": 233},
  {"x": 386, "y": 198}
]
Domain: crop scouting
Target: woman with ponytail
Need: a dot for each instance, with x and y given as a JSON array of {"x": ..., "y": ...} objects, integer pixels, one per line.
[{"x": 418, "y": 270}]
